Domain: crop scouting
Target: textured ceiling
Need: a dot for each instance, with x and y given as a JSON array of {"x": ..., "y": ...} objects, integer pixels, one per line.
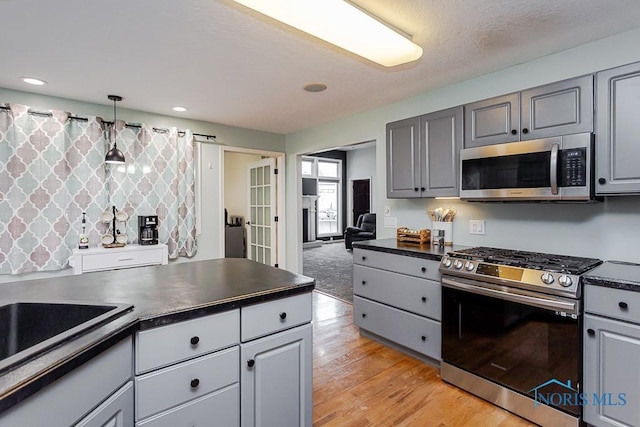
[{"x": 233, "y": 66}]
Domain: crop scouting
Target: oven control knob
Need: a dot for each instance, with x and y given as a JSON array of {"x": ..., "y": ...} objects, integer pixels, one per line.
[
  {"x": 447, "y": 262},
  {"x": 469, "y": 266},
  {"x": 565, "y": 281},
  {"x": 458, "y": 264},
  {"x": 547, "y": 278}
]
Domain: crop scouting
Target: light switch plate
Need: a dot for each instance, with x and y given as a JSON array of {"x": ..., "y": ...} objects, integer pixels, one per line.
[
  {"x": 476, "y": 226},
  {"x": 387, "y": 211}
]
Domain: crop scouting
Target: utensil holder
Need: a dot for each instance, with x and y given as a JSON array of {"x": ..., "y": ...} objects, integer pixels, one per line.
[{"x": 448, "y": 231}]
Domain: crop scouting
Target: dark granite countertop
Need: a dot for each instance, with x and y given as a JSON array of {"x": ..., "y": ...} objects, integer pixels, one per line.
[
  {"x": 615, "y": 274},
  {"x": 160, "y": 295},
  {"x": 392, "y": 246}
]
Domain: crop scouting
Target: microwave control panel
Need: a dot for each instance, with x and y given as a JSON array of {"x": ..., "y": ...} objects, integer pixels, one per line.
[{"x": 573, "y": 167}]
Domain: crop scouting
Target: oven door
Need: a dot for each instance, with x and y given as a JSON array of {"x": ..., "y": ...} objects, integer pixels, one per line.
[{"x": 517, "y": 340}]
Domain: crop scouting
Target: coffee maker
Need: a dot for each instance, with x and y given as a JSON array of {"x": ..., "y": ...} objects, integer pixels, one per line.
[{"x": 147, "y": 229}]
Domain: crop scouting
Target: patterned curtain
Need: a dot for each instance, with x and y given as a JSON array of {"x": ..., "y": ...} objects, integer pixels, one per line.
[
  {"x": 51, "y": 170},
  {"x": 158, "y": 179}
]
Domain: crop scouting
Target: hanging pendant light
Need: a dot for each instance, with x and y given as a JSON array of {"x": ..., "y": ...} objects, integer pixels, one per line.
[{"x": 114, "y": 155}]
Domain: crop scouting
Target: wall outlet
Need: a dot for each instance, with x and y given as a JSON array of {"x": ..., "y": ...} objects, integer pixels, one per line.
[{"x": 476, "y": 226}]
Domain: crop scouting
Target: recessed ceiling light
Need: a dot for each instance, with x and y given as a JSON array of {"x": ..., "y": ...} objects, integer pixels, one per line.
[
  {"x": 315, "y": 87},
  {"x": 180, "y": 109},
  {"x": 33, "y": 81}
]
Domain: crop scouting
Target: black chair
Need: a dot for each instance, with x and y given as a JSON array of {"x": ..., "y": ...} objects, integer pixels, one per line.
[{"x": 365, "y": 229}]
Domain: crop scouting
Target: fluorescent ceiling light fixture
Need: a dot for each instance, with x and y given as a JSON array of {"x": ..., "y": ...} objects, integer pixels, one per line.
[
  {"x": 344, "y": 25},
  {"x": 33, "y": 81},
  {"x": 180, "y": 109}
]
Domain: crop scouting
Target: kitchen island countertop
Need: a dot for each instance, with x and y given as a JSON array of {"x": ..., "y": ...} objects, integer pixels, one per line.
[
  {"x": 393, "y": 246},
  {"x": 160, "y": 295}
]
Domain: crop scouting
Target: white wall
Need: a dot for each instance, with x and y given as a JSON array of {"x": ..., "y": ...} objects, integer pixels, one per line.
[
  {"x": 361, "y": 164},
  {"x": 210, "y": 240},
  {"x": 235, "y": 182},
  {"x": 608, "y": 230}
]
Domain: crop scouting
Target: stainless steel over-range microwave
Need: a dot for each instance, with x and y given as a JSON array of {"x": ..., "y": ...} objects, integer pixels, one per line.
[{"x": 550, "y": 169}]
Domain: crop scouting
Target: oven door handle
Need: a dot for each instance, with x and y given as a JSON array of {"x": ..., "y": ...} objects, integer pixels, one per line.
[
  {"x": 540, "y": 302},
  {"x": 553, "y": 172}
]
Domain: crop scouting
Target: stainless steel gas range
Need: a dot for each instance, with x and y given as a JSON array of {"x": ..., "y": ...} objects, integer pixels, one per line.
[{"x": 511, "y": 330}]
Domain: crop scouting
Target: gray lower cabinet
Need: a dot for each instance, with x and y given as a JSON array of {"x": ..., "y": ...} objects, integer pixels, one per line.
[
  {"x": 398, "y": 298},
  {"x": 617, "y": 130},
  {"x": 276, "y": 378},
  {"x": 98, "y": 390},
  {"x": 422, "y": 155},
  {"x": 559, "y": 108},
  {"x": 611, "y": 355}
]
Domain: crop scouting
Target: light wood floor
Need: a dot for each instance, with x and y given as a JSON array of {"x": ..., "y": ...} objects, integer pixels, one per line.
[{"x": 359, "y": 382}]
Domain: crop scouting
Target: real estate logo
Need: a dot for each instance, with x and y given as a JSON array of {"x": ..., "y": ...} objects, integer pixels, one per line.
[{"x": 571, "y": 396}]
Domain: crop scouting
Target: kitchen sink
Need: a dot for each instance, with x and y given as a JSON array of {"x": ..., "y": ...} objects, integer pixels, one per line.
[{"x": 27, "y": 329}]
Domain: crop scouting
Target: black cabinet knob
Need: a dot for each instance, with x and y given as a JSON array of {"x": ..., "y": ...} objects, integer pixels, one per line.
[
  {"x": 364, "y": 282},
  {"x": 364, "y": 258},
  {"x": 424, "y": 269},
  {"x": 423, "y": 189},
  {"x": 623, "y": 305},
  {"x": 194, "y": 340},
  {"x": 364, "y": 315},
  {"x": 250, "y": 363},
  {"x": 591, "y": 332},
  {"x": 513, "y": 131},
  {"x": 423, "y": 338},
  {"x": 283, "y": 315},
  {"x": 602, "y": 181},
  {"x": 424, "y": 299},
  {"x": 415, "y": 188},
  {"x": 525, "y": 130},
  {"x": 195, "y": 383}
]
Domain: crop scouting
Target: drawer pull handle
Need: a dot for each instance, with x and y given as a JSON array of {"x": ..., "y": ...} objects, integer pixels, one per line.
[
  {"x": 283, "y": 315},
  {"x": 423, "y": 338},
  {"x": 424, "y": 269},
  {"x": 591, "y": 332},
  {"x": 125, "y": 259},
  {"x": 623, "y": 305},
  {"x": 195, "y": 383},
  {"x": 250, "y": 363},
  {"x": 364, "y": 315},
  {"x": 364, "y": 282},
  {"x": 195, "y": 340},
  {"x": 424, "y": 299}
]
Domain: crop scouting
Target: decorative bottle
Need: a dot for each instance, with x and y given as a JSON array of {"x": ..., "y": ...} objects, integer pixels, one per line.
[{"x": 83, "y": 241}]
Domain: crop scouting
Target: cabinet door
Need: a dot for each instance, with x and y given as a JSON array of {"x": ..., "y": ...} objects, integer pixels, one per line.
[
  {"x": 440, "y": 143},
  {"x": 403, "y": 158},
  {"x": 617, "y": 130},
  {"x": 611, "y": 372},
  {"x": 555, "y": 109},
  {"x": 116, "y": 411},
  {"x": 492, "y": 121},
  {"x": 276, "y": 379}
]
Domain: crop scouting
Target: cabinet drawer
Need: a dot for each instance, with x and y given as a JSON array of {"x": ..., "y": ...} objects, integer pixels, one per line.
[
  {"x": 172, "y": 386},
  {"x": 273, "y": 316},
  {"x": 419, "y": 267},
  {"x": 410, "y": 293},
  {"x": 174, "y": 343},
  {"x": 616, "y": 303},
  {"x": 119, "y": 259},
  {"x": 223, "y": 406},
  {"x": 407, "y": 329}
]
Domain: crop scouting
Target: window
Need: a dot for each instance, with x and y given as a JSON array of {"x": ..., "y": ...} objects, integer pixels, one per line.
[
  {"x": 328, "y": 168},
  {"x": 307, "y": 167}
]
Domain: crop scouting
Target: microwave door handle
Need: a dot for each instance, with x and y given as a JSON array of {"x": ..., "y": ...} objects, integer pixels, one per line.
[{"x": 554, "y": 169}]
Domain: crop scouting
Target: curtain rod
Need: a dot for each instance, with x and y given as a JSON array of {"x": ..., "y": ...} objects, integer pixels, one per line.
[{"x": 130, "y": 125}]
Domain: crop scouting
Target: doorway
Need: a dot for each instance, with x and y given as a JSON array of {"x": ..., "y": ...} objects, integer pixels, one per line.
[{"x": 360, "y": 197}]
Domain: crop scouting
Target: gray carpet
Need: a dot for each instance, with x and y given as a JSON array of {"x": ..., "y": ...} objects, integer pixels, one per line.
[{"x": 332, "y": 267}]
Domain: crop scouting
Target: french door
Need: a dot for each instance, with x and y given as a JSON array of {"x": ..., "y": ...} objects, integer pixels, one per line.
[{"x": 261, "y": 227}]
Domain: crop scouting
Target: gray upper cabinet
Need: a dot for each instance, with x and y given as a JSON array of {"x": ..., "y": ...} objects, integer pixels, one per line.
[
  {"x": 560, "y": 108},
  {"x": 422, "y": 155},
  {"x": 617, "y": 130}
]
